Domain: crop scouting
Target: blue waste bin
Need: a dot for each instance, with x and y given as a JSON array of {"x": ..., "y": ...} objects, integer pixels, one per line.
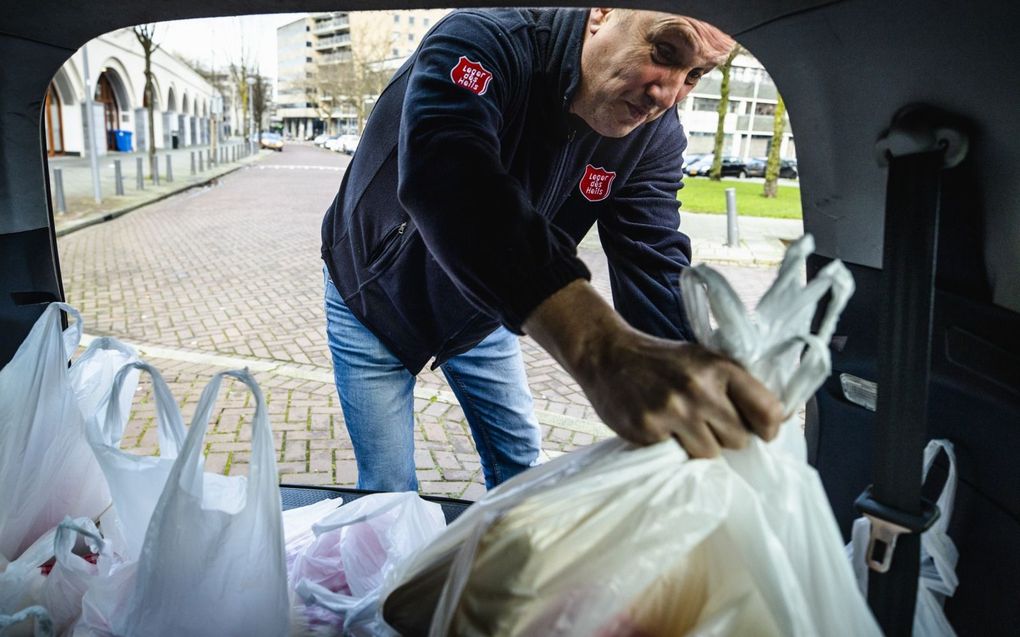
[{"x": 123, "y": 140}]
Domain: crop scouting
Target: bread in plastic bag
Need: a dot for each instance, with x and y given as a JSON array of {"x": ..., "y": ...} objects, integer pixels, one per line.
[{"x": 599, "y": 541}]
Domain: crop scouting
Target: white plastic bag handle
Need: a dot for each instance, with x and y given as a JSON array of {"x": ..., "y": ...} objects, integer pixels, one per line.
[
  {"x": 188, "y": 470},
  {"x": 43, "y": 623},
  {"x": 66, "y": 538},
  {"x": 168, "y": 416},
  {"x": 72, "y": 335}
]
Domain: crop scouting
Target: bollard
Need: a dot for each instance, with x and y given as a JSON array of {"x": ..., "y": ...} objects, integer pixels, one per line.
[
  {"x": 193, "y": 161},
  {"x": 58, "y": 190},
  {"x": 169, "y": 169},
  {"x": 732, "y": 236},
  {"x": 118, "y": 178},
  {"x": 139, "y": 175},
  {"x": 201, "y": 163},
  {"x": 154, "y": 167}
]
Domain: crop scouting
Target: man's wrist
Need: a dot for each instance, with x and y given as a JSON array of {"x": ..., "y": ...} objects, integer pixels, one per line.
[{"x": 572, "y": 325}]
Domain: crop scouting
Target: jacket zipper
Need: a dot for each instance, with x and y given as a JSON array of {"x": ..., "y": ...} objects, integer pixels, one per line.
[
  {"x": 551, "y": 193},
  {"x": 389, "y": 240}
]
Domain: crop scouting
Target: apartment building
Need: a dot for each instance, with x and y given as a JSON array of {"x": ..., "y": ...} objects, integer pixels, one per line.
[
  {"x": 749, "y": 119},
  {"x": 386, "y": 38},
  {"x": 380, "y": 39}
]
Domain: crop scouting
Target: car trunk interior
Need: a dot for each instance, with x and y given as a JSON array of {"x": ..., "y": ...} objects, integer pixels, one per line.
[{"x": 845, "y": 69}]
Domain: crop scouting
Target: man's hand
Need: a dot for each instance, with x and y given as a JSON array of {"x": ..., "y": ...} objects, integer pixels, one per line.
[{"x": 647, "y": 388}]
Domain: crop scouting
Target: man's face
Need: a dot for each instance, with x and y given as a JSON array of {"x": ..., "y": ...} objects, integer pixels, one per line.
[{"x": 635, "y": 66}]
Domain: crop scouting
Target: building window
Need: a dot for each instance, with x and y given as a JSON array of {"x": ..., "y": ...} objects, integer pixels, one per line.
[
  {"x": 396, "y": 53},
  {"x": 308, "y": 28},
  {"x": 705, "y": 104},
  {"x": 396, "y": 18},
  {"x": 410, "y": 19},
  {"x": 308, "y": 60},
  {"x": 308, "y": 44},
  {"x": 764, "y": 109},
  {"x": 410, "y": 37},
  {"x": 425, "y": 21}
]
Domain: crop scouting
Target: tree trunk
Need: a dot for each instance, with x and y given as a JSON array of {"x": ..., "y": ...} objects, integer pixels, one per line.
[
  {"x": 724, "y": 104},
  {"x": 771, "y": 188}
]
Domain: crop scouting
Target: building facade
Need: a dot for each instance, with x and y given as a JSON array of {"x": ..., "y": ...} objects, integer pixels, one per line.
[
  {"x": 187, "y": 107},
  {"x": 749, "y": 119},
  {"x": 387, "y": 38},
  {"x": 306, "y": 47}
]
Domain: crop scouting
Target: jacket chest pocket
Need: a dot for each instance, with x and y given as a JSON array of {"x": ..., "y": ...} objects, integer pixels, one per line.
[{"x": 387, "y": 247}]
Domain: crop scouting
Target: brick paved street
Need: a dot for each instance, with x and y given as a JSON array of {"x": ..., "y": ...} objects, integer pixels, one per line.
[{"x": 229, "y": 275}]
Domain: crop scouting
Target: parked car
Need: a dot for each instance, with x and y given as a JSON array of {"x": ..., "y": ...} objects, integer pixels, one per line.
[
  {"x": 348, "y": 144},
  {"x": 731, "y": 167},
  {"x": 756, "y": 167},
  {"x": 320, "y": 139},
  {"x": 691, "y": 159},
  {"x": 332, "y": 143},
  {"x": 272, "y": 141}
]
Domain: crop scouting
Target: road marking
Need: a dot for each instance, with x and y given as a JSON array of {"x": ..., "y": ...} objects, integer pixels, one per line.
[
  {"x": 297, "y": 167},
  {"x": 325, "y": 375}
]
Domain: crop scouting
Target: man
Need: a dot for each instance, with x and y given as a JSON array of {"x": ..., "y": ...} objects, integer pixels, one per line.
[{"x": 492, "y": 152}]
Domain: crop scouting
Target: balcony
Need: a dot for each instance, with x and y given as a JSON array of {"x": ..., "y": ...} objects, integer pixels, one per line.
[
  {"x": 331, "y": 26},
  {"x": 333, "y": 42}
]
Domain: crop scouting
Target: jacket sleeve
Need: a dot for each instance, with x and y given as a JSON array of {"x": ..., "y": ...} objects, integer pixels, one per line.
[
  {"x": 473, "y": 216},
  {"x": 640, "y": 235}
]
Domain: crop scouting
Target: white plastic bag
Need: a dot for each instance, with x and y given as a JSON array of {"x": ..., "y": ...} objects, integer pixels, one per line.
[
  {"x": 618, "y": 540},
  {"x": 213, "y": 558},
  {"x": 50, "y": 575},
  {"x": 357, "y": 548},
  {"x": 937, "y": 578},
  {"x": 47, "y": 470},
  {"x": 41, "y": 624},
  {"x": 135, "y": 481}
]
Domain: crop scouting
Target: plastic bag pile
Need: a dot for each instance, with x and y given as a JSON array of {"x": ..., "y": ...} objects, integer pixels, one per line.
[
  {"x": 98, "y": 541},
  {"x": 622, "y": 540}
]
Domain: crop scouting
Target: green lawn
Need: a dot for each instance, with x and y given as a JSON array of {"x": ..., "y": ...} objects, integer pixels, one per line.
[{"x": 701, "y": 194}]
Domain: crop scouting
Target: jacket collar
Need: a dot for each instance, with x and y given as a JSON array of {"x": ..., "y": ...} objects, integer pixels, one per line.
[{"x": 560, "y": 36}]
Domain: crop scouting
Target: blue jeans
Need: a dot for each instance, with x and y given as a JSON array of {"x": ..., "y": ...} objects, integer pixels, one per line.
[{"x": 377, "y": 396}]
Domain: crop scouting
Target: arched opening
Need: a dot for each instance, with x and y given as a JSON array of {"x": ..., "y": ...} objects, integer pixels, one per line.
[
  {"x": 54, "y": 122},
  {"x": 106, "y": 96}
]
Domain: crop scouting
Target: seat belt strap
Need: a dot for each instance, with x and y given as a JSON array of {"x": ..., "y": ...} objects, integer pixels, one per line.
[{"x": 917, "y": 148}]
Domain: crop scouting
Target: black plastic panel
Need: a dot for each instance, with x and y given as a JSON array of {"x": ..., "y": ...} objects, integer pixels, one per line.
[{"x": 299, "y": 496}]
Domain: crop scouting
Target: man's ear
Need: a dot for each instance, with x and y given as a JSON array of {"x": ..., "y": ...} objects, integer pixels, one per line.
[{"x": 597, "y": 18}]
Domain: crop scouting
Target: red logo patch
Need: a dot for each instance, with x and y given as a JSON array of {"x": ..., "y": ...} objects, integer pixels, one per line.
[
  {"x": 596, "y": 183},
  {"x": 471, "y": 75}
]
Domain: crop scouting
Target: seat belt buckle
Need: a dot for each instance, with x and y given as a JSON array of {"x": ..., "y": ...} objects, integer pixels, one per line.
[{"x": 887, "y": 524}]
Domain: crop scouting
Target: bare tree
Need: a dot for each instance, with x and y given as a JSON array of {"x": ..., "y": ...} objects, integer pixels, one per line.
[
  {"x": 145, "y": 33},
  {"x": 724, "y": 105},
  {"x": 771, "y": 188},
  {"x": 350, "y": 80},
  {"x": 261, "y": 96}
]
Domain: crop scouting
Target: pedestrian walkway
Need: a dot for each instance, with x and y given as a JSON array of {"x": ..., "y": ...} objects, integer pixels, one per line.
[{"x": 176, "y": 170}]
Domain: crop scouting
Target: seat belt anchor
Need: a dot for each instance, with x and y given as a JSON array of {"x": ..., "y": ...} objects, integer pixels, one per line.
[
  {"x": 919, "y": 128},
  {"x": 887, "y": 524}
]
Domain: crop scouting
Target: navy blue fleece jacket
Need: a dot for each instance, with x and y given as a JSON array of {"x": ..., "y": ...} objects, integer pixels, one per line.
[{"x": 473, "y": 184}]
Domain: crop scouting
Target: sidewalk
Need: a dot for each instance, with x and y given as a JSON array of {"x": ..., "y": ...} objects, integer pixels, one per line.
[
  {"x": 762, "y": 240},
  {"x": 82, "y": 210}
]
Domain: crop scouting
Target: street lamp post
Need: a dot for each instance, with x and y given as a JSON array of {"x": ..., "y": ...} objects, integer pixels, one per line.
[{"x": 251, "y": 113}]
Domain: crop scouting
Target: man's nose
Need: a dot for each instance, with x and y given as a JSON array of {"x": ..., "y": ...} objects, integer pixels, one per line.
[{"x": 668, "y": 89}]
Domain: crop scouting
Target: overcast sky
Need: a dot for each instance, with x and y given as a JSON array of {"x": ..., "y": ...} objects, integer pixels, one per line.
[{"x": 218, "y": 41}]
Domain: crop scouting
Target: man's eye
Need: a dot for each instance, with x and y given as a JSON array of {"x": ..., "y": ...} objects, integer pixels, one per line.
[
  {"x": 663, "y": 54},
  {"x": 694, "y": 76}
]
